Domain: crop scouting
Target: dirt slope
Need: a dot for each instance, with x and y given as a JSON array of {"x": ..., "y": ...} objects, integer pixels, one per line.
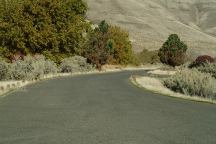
[{"x": 151, "y": 21}]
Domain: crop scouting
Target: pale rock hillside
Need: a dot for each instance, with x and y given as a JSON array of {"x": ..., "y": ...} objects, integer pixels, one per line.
[{"x": 151, "y": 21}]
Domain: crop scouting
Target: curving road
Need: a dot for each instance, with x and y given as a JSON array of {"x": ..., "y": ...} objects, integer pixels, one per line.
[{"x": 102, "y": 109}]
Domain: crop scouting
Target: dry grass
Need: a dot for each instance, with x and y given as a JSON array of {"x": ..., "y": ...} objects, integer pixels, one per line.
[
  {"x": 162, "y": 72},
  {"x": 120, "y": 67}
]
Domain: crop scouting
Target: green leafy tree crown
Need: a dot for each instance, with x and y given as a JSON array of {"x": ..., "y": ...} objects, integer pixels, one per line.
[{"x": 54, "y": 28}]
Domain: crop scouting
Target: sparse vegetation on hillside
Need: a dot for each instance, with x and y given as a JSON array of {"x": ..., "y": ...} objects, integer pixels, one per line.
[
  {"x": 149, "y": 21},
  {"x": 173, "y": 51}
]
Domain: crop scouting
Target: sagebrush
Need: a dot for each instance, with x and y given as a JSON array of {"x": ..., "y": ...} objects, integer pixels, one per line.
[
  {"x": 192, "y": 82},
  {"x": 4, "y": 70},
  {"x": 209, "y": 68},
  {"x": 28, "y": 69},
  {"x": 75, "y": 64}
]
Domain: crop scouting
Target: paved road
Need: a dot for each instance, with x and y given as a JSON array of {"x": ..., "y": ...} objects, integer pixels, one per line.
[{"x": 102, "y": 109}]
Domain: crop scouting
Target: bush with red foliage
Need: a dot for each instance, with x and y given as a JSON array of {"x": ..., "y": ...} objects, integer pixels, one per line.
[
  {"x": 201, "y": 60},
  {"x": 204, "y": 58}
]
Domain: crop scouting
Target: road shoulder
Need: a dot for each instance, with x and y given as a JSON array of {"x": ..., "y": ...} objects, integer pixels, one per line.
[{"x": 155, "y": 85}]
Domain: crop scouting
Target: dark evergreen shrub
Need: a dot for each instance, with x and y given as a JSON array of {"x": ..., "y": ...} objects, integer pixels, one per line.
[{"x": 173, "y": 51}]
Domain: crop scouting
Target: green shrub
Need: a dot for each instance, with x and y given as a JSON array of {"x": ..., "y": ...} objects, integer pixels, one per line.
[
  {"x": 103, "y": 27},
  {"x": 208, "y": 68},
  {"x": 146, "y": 57},
  {"x": 173, "y": 51},
  {"x": 43, "y": 26},
  {"x": 75, "y": 64},
  {"x": 122, "y": 50},
  {"x": 192, "y": 82}
]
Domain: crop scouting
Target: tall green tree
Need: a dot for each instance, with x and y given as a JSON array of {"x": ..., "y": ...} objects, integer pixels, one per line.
[
  {"x": 54, "y": 28},
  {"x": 173, "y": 51},
  {"x": 109, "y": 45}
]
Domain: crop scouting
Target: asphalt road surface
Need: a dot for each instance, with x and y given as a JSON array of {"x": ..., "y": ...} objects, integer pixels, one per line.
[{"x": 102, "y": 109}]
